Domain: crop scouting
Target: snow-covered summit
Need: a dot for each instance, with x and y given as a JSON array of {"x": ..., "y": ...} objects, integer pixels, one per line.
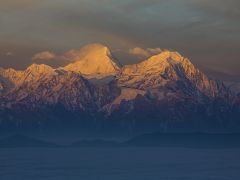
[
  {"x": 94, "y": 60},
  {"x": 164, "y": 69},
  {"x": 39, "y": 69}
]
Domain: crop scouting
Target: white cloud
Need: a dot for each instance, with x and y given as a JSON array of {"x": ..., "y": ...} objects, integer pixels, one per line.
[
  {"x": 9, "y": 53},
  {"x": 140, "y": 52},
  {"x": 73, "y": 55},
  {"x": 45, "y": 55}
]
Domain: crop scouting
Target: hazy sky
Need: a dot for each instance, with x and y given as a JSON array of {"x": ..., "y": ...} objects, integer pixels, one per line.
[{"x": 206, "y": 31}]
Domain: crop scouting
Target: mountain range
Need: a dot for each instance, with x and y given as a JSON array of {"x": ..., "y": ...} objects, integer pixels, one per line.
[{"x": 94, "y": 94}]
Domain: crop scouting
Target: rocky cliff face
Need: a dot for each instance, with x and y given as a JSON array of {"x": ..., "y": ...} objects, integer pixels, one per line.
[{"x": 164, "y": 92}]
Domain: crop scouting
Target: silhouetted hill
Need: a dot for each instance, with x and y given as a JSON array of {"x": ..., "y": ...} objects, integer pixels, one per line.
[
  {"x": 23, "y": 141},
  {"x": 95, "y": 143},
  {"x": 191, "y": 140}
]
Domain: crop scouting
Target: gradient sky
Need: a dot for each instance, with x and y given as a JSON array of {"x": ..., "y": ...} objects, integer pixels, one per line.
[{"x": 206, "y": 31}]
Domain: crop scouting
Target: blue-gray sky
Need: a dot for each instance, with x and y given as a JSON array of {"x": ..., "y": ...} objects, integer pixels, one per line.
[{"x": 206, "y": 31}]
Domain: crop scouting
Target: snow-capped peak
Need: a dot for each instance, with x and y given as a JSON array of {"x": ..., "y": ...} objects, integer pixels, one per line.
[
  {"x": 94, "y": 60},
  {"x": 163, "y": 59},
  {"x": 39, "y": 69},
  {"x": 157, "y": 64},
  {"x": 162, "y": 69},
  {"x": 36, "y": 71},
  {"x": 10, "y": 76}
]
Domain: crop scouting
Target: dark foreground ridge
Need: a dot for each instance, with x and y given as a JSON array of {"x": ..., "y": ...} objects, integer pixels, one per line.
[
  {"x": 19, "y": 140},
  {"x": 167, "y": 140},
  {"x": 187, "y": 140}
]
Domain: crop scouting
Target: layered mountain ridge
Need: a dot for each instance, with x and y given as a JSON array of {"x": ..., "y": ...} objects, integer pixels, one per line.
[{"x": 164, "y": 92}]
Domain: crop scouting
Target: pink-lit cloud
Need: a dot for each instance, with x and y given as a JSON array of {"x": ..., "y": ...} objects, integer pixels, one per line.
[
  {"x": 141, "y": 52},
  {"x": 45, "y": 55}
]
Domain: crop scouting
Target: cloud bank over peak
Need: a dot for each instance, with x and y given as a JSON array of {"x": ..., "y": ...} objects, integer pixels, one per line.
[
  {"x": 45, "y": 55},
  {"x": 205, "y": 31},
  {"x": 93, "y": 49},
  {"x": 75, "y": 55},
  {"x": 147, "y": 52}
]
